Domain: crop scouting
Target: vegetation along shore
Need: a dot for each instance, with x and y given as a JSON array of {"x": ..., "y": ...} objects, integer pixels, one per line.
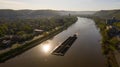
[{"x": 35, "y": 32}]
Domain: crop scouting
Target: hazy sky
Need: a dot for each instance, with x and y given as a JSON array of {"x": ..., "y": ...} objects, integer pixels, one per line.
[{"x": 74, "y": 5}]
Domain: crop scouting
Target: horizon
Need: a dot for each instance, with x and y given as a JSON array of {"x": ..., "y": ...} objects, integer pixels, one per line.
[
  {"x": 60, "y": 5},
  {"x": 58, "y": 10}
]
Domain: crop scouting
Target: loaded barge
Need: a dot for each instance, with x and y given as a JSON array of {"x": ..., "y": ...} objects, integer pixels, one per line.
[{"x": 63, "y": 48}]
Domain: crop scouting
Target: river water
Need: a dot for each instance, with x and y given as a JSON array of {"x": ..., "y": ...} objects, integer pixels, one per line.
[{"x": 85, "y": 52}]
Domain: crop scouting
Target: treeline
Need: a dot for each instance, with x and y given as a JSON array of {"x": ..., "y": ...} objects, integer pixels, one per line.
[
  {"x": 110, "y": 33},
  {"x": 109, "y": 25},
  {"x": 19, "y": 31}
]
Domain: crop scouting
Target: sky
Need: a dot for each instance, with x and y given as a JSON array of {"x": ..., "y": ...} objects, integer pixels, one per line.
[{"x": 72, "y": 5}]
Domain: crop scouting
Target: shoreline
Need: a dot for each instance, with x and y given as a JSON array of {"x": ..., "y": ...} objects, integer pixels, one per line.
[
  {"x": 107, "y": 49},
  {"x": 19, "y": 50}
]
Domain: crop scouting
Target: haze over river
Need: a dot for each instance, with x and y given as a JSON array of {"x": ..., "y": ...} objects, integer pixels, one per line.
[{"x": 85, "y": 51}]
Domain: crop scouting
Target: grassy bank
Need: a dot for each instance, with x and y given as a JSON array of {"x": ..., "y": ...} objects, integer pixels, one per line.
[
  {"x": 14, "y": 52},
  {"x": 108, "y": 43}
]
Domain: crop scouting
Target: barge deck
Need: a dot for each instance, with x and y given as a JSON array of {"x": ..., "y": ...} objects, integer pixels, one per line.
[{"x": 63, "y": 48}]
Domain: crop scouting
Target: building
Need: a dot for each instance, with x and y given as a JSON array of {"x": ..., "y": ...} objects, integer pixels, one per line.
[
  {"x": 111, "y": 21},
  {"x": 38, "y": 31}
]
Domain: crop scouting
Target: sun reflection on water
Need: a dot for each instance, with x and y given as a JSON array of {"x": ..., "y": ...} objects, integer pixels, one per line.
[{"x": 46, "y": 48}]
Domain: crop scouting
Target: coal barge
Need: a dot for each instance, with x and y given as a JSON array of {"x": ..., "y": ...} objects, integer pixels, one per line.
[{"x": 63, "y": 48}]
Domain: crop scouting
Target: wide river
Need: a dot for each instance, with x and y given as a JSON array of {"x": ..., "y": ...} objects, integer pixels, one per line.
[{"x": 85, "y": 52}]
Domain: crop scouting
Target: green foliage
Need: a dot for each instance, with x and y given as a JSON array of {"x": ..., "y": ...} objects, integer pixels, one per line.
[
  {"x": 117, "y": 24},
  {"x": 114, "y": 41},
  {"x": 27, "y": 26},
  {"x": 24, "y": 29},
  {"x": 20, "y": 33},
  {"x": 109, "y": 43},
  {"x": 105, "y": 36}
]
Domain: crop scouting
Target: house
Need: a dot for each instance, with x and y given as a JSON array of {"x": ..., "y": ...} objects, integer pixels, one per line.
[
  {"x": 111, "y": 21},
  {"x": 113, "y": 31},
  {"x": 109, "y": 27},
  {"x": 38, "y": 31}
]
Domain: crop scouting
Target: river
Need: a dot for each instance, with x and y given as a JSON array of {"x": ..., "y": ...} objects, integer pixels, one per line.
[{"x": 85, "y": 52}]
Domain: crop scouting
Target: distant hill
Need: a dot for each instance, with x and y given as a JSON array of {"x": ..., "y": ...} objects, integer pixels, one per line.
[
  {"x": 25, "y": 14},
  {"x": 108, "y": 13},
  {"x": 77, "y": 12}
]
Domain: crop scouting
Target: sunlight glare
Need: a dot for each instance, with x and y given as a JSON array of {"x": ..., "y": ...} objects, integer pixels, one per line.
[{"x": 46, "y": 48}]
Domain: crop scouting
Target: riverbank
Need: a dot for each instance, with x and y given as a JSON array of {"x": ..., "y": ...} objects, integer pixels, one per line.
[
  {"x": 108, "y": 43},
  {"x": 14, "y": 52}
]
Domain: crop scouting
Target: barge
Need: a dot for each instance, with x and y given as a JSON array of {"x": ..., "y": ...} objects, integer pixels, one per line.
[{"x": 63, "y": 48}]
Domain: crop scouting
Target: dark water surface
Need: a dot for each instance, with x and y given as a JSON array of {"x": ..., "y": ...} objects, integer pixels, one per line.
[{"x": 85, "y": 52}]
